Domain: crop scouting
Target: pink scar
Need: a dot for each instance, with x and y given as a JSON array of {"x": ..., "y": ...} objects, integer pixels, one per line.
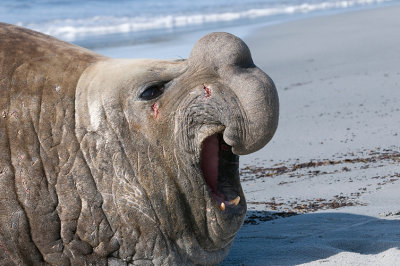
[
  {"x": 155, "y": 109},
  {"x": 207, "y": 91}
]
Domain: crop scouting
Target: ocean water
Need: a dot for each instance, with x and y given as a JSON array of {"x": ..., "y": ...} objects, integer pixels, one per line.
[{"x": 159, "y": 28}]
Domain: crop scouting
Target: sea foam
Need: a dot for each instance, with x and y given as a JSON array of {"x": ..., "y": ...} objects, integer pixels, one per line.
[{"x": 72, "y": 29}]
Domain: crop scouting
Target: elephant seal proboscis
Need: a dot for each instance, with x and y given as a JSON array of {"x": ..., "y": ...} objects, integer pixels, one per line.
[{"x": 121, "y": 161}]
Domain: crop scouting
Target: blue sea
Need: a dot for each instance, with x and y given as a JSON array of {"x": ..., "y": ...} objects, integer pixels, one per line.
[{"x": 159, "y": 28}]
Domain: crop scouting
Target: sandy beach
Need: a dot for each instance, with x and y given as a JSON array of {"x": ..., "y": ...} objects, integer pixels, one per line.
[{"x": 326, "y": 190}]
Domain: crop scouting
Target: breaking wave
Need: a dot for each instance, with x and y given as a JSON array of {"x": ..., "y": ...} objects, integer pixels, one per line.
[{"x": 71, "y": 29}]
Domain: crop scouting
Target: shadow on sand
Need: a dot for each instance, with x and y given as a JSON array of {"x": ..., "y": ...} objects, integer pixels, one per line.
[{"x": 309, "y": 237}]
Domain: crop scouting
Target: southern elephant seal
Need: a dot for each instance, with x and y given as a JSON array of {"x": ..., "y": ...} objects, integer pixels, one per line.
[{"x": 120, "y": 162}]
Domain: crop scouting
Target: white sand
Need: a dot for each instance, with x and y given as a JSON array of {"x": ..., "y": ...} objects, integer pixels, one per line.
[
  {"x": 333, "y": 73},
  {"x": 338, "y": 79}
]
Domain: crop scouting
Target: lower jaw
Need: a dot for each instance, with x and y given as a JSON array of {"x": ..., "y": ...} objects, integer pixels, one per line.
[
  {"x": 202, "y": 253},
  {"x": 223, "y": 225}
]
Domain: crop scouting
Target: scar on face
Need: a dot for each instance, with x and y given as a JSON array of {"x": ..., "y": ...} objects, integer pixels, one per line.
[
  {"x": 207, "y": 91},
  {"x": 155, "y": 107}
]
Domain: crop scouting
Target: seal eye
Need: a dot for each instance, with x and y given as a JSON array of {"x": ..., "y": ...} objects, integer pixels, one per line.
[{"x": 152, "y": 92}]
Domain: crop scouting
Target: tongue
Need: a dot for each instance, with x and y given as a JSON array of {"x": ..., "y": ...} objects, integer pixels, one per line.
[{"x": 209, "y": 162}]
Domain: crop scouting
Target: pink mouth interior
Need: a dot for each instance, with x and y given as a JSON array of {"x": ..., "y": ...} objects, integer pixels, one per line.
[{"x": 209, "y": 165}]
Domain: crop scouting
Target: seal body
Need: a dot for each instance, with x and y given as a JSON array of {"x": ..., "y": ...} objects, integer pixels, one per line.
[{"x": 118, "y": 161}]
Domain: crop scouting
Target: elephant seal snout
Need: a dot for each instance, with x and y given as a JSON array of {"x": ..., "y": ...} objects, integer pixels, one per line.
[
  {"x": 125, "y": 161},
  {"x": 230, "y": 59}
]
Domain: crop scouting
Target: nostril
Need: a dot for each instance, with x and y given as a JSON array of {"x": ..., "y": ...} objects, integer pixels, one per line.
[
  {"x": 241, "y": 143},
  {"x": 232, "y": 138}
]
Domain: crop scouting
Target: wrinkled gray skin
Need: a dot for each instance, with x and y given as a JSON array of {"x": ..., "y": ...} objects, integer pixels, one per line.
[{"x": 90, "y": 173}]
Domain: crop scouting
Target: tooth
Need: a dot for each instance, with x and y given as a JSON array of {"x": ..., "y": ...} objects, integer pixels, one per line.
[
  {"x": 235, "y": 201},
  {"x": 222, "y": 206}
]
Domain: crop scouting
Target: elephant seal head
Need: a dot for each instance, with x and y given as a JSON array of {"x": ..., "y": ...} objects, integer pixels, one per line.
[{"x": 162, "y": 140}]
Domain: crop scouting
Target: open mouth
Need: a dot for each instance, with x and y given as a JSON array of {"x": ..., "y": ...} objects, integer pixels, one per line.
[{"x": 220, "y": 171}]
